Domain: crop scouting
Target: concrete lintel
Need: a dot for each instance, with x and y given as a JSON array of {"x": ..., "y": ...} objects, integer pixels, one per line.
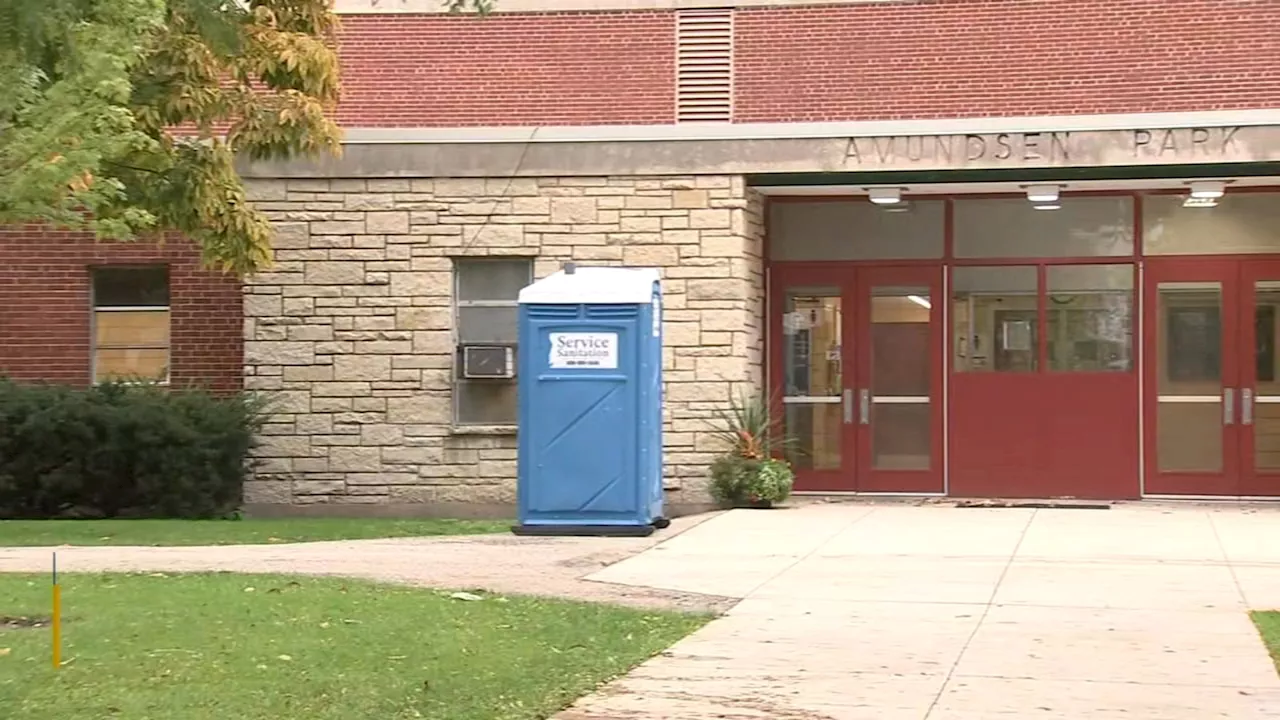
[
  {"x": 433, "y": 7},
  {"x": 993, "y": 150},
  {"x": 782, "y": 131}
]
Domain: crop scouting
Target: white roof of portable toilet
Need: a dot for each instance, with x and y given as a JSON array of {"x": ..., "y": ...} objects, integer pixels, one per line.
[{"x": 588, "y": 285}]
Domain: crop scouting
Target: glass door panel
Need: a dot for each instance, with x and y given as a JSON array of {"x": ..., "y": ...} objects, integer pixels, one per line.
[
  {"x": 1260, "y": 378},
  {"x": 898, "y": 379},
  {"x": 901, "y": 379},
  {"x": 1192, "y": 403},
  {"x": 813, "y": 377},
  {"x": 1260, "y": 405},
  {"x": 1193, "y": 371}
]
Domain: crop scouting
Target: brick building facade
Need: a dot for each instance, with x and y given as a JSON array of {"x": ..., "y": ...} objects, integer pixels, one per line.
[
  {"x": 48, "y": 312},
  {"x": 735, "y": 146}
]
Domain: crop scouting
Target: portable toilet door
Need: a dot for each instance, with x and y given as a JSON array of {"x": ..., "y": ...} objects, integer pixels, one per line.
[{"x": 590, "y": 438}]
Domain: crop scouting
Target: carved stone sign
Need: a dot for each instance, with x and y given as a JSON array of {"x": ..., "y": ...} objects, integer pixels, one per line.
[
  {"x": 731, "y": 156},
  {"x": 1045, "y": 149},
  {"x": 942, "y": 150},
  {"x": 1188, "y": 143}
]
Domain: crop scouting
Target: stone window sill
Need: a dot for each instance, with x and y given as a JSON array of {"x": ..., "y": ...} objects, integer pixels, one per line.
[{"x": 482, "y": 430}]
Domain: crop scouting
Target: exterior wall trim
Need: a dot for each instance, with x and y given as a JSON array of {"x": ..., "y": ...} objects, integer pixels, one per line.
[
  {"x": 803, "y": 131},
  {"x": 1056, "y": 151},
  {"x": 437, "y": 7}
]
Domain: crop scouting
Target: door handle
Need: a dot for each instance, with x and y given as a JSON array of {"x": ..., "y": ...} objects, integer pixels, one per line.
[
  {"x": 864, "y": 406},
  {"x": 848, "y": 406},
  {"x": 1246, "y": 406},
  {"x": 1228, "y": 406}
]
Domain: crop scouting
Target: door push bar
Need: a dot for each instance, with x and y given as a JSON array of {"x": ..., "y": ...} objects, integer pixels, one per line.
[
  {"x": 864, "y": 406},
  {"x": 1246, "y": 406}
]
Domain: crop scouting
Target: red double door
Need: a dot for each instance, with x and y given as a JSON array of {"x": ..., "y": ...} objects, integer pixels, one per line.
[
  {"x": 1212, "y": 405},
  {"x": 858, "y": 362}
]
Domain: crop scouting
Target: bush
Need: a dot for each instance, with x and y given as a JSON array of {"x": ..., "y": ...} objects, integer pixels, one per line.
[
  {"x": 123, "y": 450},
  {"x": 737, "y": 481},
  {"x": 749, "y": 473}
]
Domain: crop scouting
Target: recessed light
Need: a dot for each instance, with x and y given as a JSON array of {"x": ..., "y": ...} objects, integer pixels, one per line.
[
  {"x": 1208, "y": 189},
  {"x": 1042, "y": 193},
  {"x": 885, "y": 195},
  {"x": 1200, "y": 202}
]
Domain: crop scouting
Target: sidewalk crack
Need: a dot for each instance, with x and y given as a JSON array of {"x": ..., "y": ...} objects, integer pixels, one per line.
[{"x": 986, "y": 610}]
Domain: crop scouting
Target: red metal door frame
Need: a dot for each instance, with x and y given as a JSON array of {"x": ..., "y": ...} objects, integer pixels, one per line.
[
  {"x": 781, "y": 280},
  {"x": 1253, "y": 481},
  {"x": 870, "y": 479},
  {"x": 1226, "y": 272},
  {"x": 1155, "y": 482},
  {"x": 854, "y": 280}
]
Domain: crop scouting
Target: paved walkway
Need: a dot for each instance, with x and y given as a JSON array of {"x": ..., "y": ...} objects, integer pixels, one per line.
[
  {"x": 875, "y": 612},
  {"x": 498, "y": 563},
  {"x": 892, "y": 612}
]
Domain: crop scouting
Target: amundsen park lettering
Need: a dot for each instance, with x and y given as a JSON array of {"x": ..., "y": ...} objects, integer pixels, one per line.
[
  {"x": 950, "y": 149},
  {"x": 1042, "y": 148},
  {"x": 584, "y": 350},
  {"x": 1178, "y": 143}
]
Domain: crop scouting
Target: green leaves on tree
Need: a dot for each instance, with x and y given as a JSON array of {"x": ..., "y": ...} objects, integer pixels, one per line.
[{"x": 124, "y": 117}]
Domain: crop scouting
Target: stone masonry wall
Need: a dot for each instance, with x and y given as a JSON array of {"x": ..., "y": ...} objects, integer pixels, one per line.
[{"x": 353, "y": 325}]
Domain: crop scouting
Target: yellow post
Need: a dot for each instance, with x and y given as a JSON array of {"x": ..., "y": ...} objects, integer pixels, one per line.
[{"x": 56, "y": 620}]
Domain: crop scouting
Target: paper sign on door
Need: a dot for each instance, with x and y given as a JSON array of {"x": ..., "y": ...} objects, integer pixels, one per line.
[{"x": 595, "y": 351}]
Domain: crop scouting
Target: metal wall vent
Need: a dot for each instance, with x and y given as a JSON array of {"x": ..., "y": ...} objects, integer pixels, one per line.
[{"x": 704, "y": 65}]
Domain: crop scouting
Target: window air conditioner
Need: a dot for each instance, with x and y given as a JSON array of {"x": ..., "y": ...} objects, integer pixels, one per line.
[{"x": 488, "y": 362}]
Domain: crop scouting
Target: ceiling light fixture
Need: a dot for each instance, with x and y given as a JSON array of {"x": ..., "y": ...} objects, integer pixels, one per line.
[
  {"x": 1208, "y": 189},
  {"x": 1042, "y": 193},
  {"x": 1199, "y": 202},
  {"x": 885, "y": 195},
  {"x": 1047, "y": 206},
  {"x": 921, "y": 301}
]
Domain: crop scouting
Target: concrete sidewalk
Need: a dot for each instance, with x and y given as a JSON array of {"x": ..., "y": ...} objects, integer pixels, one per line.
[
  {"x": 891, "y": 612},
  {"x": 551, "y": 566}
]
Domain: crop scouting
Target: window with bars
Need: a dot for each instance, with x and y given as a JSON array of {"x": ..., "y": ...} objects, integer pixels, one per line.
[{"x": 131, "y": 339}]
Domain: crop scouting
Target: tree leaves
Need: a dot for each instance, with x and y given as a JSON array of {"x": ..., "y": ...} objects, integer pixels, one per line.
[{"x": 125, "y": 116}]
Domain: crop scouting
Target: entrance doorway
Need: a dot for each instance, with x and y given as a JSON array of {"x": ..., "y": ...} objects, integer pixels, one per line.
[
  {"x": 860, "y": 366},
  {"x": 1213, "y": 412}
]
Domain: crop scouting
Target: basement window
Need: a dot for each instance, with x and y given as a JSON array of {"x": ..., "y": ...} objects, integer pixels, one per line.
[{"x": 131, "y": 324}]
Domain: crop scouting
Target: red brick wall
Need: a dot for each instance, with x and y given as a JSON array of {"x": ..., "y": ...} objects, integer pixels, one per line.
[
  {"x": 544, "y": 69},
  {"x": 964, "y": 58},
  {"x": 892, "y": 60},
  {"x": 45, "y": 308}
]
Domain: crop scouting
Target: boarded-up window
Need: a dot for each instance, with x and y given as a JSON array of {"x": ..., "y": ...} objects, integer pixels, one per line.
[{"x": 131, "y": 323}]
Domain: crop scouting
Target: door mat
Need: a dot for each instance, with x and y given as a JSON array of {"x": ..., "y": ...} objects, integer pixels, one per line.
[{"x": 1037, "y": 504}]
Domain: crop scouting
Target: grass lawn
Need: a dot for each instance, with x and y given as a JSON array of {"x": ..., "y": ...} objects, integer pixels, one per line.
[
  {"x": 254, "y": 647},
  {"x": 1269, "y": 625},
  {"x": 16, "y": 533}
]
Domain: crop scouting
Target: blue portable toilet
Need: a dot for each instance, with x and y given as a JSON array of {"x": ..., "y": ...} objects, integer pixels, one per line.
[{"x": 590, "y": 395}]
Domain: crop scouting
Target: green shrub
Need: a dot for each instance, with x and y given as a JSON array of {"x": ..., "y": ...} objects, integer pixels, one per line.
[
  {"x": 737, "y": 481},
  {"x": 749, "y": 472},
  {"x": 123, "y": 450}
]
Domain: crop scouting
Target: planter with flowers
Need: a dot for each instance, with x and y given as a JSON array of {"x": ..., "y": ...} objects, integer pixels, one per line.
[{"x": 749, "y": 473}]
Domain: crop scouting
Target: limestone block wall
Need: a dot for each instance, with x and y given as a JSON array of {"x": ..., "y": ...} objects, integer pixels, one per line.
[{"x": 352, "y": 327}]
